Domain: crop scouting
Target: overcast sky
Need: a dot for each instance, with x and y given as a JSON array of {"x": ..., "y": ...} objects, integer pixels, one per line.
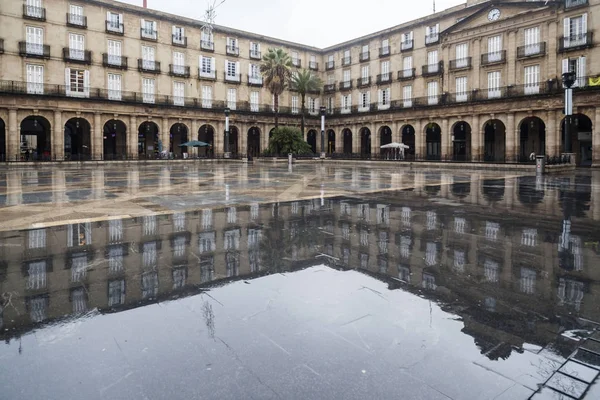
[{"x": 319, "y": 23}]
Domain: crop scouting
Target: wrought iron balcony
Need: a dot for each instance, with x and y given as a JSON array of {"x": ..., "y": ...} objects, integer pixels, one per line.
[
  {"x": 406, "y": 74},
  {"x": 35, "y": 13},
  {"x": 460, "y": 64},
  {"x": 179, "y": 41},
  {"x": 384, "y": 78},
  {"x": 255, "y": 54},
  {"x": 149, "y": 34},
  {"x": 531, "y": 50},
  {"x": 181, "y": 71},
  {"x": 112, "y": 61},
  {"x": 207, "y": 75},
  {"x": 496, "y": 57},
  {"x": 34, "y": 50},
  {"x": 76, "y": 21},
  {"x": 232, "y": 50},
  {"x": 576, "y": 42},
  {"x": 365, "y": 56},
  {"x": 296, "y": 62},
  {"x": 346, "y": 61},
  {"x": 77, "y": 56},
  {"x": 148, "y": 66},
  {"x": 432, "y": 39},
  {"x": 207, "y": 45},
  {"x": 115, "y": 27},
  {"x": 255, "y": 80},
  {"x": 329, "y": 88},
  {"x": 232, "y": 78},
  {"x": 363, "y": 82},
  {"x": 345, "y": 85},
  {"x": 433, "y": 69},
  {"x": 407, "y": 45},
  {"x": 385, "y": 51},
  {"x": 313, "y": 65},
  {"x": 329, "y": 65},
  {"x": 575, "y": 3}
]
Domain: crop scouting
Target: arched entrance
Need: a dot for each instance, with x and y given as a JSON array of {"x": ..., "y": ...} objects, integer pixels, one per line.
[
  {"x": 2, "y": 140},
  {"x": 36, "y": 136},
  {"x": 233, "y": 140},
  {"x": 330, "y": 141},
  {"x": 433, "y": 138},
  {"x": 148, "y": 142},
  {"x": 365, "y": 142},
  {"x": 385, "y": 137},
  {"x": 408, "y": 138},
  {"x": 580, "y": 132},
  {"x": 461, "y": 141},
  {"x": 114, "y": 140},
  {"x": 77, "y": 143},
  {"x": 532, "y": 137},
  {"x": 311, "y": 139},
  {"x": 347, "y": 135},
  {"x": 254, "y": 141},
  {"x": 206, "y": 134},
  {"x": 178, "y": 135},
  {"x": 494, "y": 141}
]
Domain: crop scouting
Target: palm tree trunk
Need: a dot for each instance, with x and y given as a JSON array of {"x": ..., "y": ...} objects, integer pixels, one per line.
[
  {"x": 302, "y": 111},
  {"x": 276, "y": 105}
]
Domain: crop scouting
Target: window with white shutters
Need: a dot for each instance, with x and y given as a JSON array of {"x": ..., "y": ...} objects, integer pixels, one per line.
[
  {"x": 407, "y": 96},
  {"x": 254, "y": 101},
  {"x": 178, "y": 93},
  {"x": 347, "y": 75},
  {"x": 495, "y": 48},
  {"x": 114, "y": 52},
  {"x": 179, "y": 35},
  {"x": 294, "y": 104},
  {"x": 207, "y": 67},
  {"x": 462, "y": 54},
  {"x": 432, "y": 61},
  {"x": 148, "y": 90},
  {"x": 149, "y": 29},
  {"x": 575, "y": 31},
  {"x": 494, "y": 84},
  {"x": 148, "y": 57},
  {"x": 384, "y": 98},
  {"x": 432, "y": 33},
  {"x": 114, "y": 22},
  {"x": 364, "y": 74},
  {"x": 577, "y": 65},
  {"x": 33, "y": 8},
  {"x": 432, "y": 92},
  {"x": 407, "y": 67},
  {"x": 207, "y": 96},
  {"x": 178, "y": 63},
  {"x": 231, "y": 71},
  {"x": 35, "y": 79},
  {"x": 532, "y": 79},
  {"x": 330, "y": 104},
  {"x": 346, "y": 103},
  {"x": 207, "y": 40},
  {"x": 407, "y": 41},
  {"x": 231, "y": 98},
  {"x": 532, "y": 41},
  {"x": 461, "y": 88},
  {"x": 385, "y": 70},
  {"x": 254, "y": 75},
  {"x": 330, "y": 79},
  {"x": 76, "y": 46},
  {"x": 365, "y": 101},
  {"x": 114, "y": 87},
  {"x": 34, "y": 40},
  {"x": 77, "y": 82},
  {"x": 37, "y": 239}
]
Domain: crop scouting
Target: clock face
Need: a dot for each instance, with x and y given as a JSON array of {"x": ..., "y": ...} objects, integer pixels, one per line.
[{"x": 494, "y": 14}]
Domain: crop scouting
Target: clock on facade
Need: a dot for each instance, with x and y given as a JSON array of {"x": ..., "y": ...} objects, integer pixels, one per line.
[{"x": 494, "y": 14}]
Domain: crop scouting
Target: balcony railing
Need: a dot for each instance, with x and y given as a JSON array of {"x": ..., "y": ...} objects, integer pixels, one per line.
[
  {"x": 148, "y": 66},
  {"x": 406, "y": 74},
  {"x": 255, "y": 80},
  {"x": 384, "y": 78},
  {"x": 495, "y": 57},
  {"x": 431, "y": 39},
  {"x": 179, "y": 41},
  {"x": 27, "y": 49},
  {"x": 181, "y": 71},
  {"x": 313, "y": 65},
  {"x": 76, "y": 21},
  {"x": 234, "y": 78},
  {"x": 346, "y": 61},
  {"x": 148, "y": 34},
  {"x": 363, "y": 82},
  {"x": 207, "y": 45},
  {"x": 576, "y": 41},
  {"x": 296, "y": 62},
  {"x": 329, "y": 88},
  {"x": 575, "y": 3},
  {"x": 364, "y": 56},
  {"x": 345, "y": 85},
  {"x": 433, "y": 69},
  {"x": 77, "y": 56},
  {"x": 460, "y": 63},
  {"x": 112, "y": 61},
  {"x": 329, "y": 65},
  {"x": 35, "y": 13},
  {"x": 115, "y": 27},
  {"x": 255, "y": 54},
  {"x": 232, "y": 50},
  {"x": 207, "y": 75},
  {"x": 531, "y": 50},
  {"x": 407, "y": 45},
  {"x": 384, "y": 51}
]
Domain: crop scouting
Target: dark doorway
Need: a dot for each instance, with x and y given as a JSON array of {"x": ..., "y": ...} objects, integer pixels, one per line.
[
  {"x": 311, "y": 139},
  {"x": 494, "y": 141},
  {"x": 347, "y": 141},
  {"x": 433, "y": 139},
  {"x": 532, "y": 138},
  {"x": 254, "y": 141},
  {"x": 461, "y": 144},
  {"x": 206, "y": 134},
  {"x": 149, "y": 145},
  {"x": 330, "y": 141},
  {"x": 365, "y": 142},
  {"x": 178, "y": 135},
  {"x": 115, "y": 140},
  {"x": 408, "y": 138},
  {"x": 581, "y": 138},
  {"x": 36, "y": 139},
  {"x": 77, "y": 142},
  {"x": 2, "y": 140}
]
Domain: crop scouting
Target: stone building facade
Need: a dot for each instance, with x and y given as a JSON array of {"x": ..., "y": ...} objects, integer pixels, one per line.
[{"x": 480, "y": 81}]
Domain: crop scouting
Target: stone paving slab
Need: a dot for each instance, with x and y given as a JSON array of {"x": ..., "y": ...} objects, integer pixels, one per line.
[{"x": 580, "y": 371}]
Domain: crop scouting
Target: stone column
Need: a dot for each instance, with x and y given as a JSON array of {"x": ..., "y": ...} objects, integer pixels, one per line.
[
  {"x": 58, "y": 137},
  {"x": 356, "y": 139},
  {"x": 14, "y": 136},
  {"x": 165, "y": 135},
  {"x": 97, "y": 150},
  {"x": 374, "y": 140},
  {"x": 596, "y": 139},
  {"x": 551, "y": 145},
  {"x": 339, "y": 140},
  {"x": 132, "y": 139},
  {"x": 446, "y": 152},
  {"x": 476, "y": 136},
  {"x": 219, "y": 138},
  {"x": 193, "y": 135},
  {"x": 419, "y": 139},
  {"x": 510, "y": 137},
  {"x": 243, "y": 139}
]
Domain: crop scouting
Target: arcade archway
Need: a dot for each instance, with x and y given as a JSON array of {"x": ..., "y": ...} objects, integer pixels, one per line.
[
  {"x": 461, "y": 141},
  {"x": 148, "y": 142},
  {"x": 580, "y": 133},
  {"x": 532, "y": 137},
  {"x": 77, "y": 141},
  {"x": 178, "y": 135},
  {"x": 36, "y": 137},
  {"x": 311, "y": 139},
  {"x": 206, "y": 134},
  {"x": 365, "y": 142},
  {"x": 347, "y": 135},
  {"x": 114, "y": 140},
  {"x": 433, "y": 139},
  {"x": 254, "y": 141},
  {"x": 330, "y": 141},
  {"x": 408, "y": 138},
  {"x": 494, "y": 141}
]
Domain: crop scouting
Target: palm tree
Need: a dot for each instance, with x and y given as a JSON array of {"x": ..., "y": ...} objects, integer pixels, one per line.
[
  {"x": 276, "y": 69},
  {"x": 305, "y": 81}
]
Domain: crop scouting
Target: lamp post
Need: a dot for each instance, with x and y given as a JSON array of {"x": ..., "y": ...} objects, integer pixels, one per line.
[
  {"x": 323, "y": 111},
  {"x": 227, "y": 153},
  {"x": 568, "y": 79}
]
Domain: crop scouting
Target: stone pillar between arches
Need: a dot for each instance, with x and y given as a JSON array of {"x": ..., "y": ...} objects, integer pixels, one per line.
[
  {"x": 511, "y": 150},
  {"x": 132, "y": 138},
  {"x": 97, "y": 138},
  {"x": 58, "y": 137},
  {"x": 13, "y": 139}
]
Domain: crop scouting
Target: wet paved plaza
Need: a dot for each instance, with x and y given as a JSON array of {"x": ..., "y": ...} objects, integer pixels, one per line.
[{"x": 319, "y": 282}]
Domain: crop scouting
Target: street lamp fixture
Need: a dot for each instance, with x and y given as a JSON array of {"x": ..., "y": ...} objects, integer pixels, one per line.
[
  {"x": 568, "y": 79},
  {"x": 323, "y": 111},
  {"x": 227, "y": 111}
]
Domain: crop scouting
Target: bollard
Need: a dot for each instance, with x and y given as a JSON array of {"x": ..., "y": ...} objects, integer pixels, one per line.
[
  {"x": 540, "y": 165},
  {"x": 290, "y": 158}
]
